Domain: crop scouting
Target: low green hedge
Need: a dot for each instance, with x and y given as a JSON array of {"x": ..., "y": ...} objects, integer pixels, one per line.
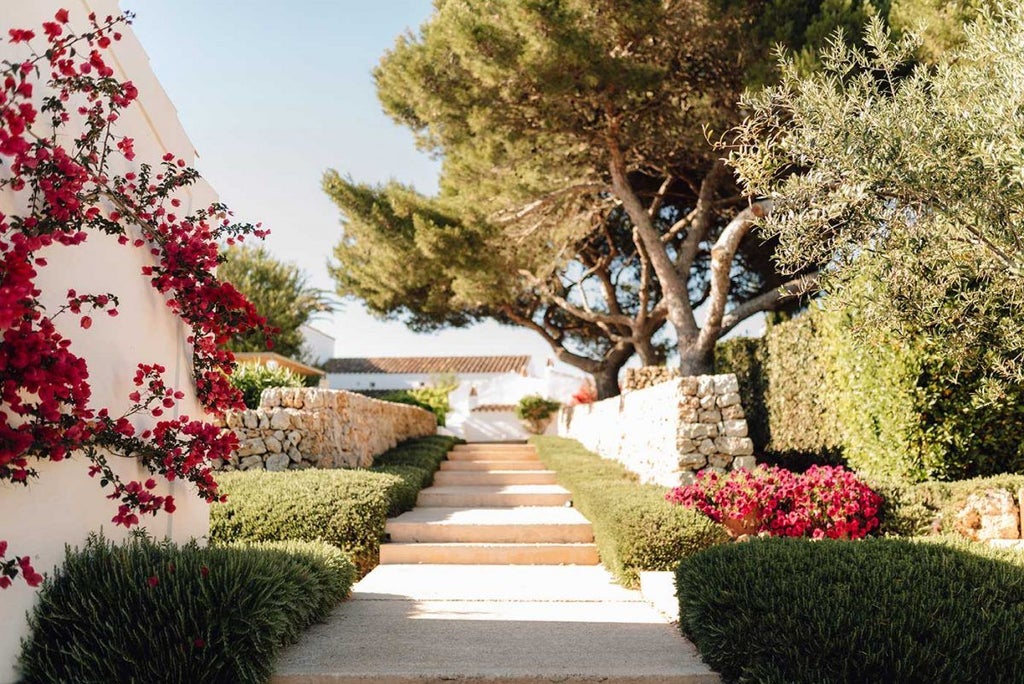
[
  {"x": 878, "y": 610},
  {"x": 346, "y": 508},
  {"x": 415, "y": 461},
  {"x": 635, "y": 527},
  {"x": 156, "y": 612},
  {"x": 914, "y": 509}
]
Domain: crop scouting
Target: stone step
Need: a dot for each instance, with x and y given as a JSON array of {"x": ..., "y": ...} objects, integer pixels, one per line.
[
  {"x": 525, "y": 525},
  {"x": 492, "y": 445},
  {"x": 490, "y": 465},
  {"x": 494, "y": 477},
  {"x": 493, "y": 496},
  {"x": 489, "y": 554},
  {"x": 492, "y": 456}
]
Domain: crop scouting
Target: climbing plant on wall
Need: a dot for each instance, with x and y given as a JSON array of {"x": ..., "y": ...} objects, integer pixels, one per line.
[{"x": 59, "y": 111}]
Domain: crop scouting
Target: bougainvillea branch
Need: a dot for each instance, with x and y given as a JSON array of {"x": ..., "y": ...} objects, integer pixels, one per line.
[{"x": 59, "y": 158}]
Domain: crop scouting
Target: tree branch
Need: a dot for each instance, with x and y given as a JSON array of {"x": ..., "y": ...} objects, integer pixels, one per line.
[
  {"x": 722, "y": 254},
  {"x": 769, "y": 300}
]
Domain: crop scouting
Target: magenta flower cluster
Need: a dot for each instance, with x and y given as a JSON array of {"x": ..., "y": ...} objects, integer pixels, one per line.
[{"x": 826, "y": 501}]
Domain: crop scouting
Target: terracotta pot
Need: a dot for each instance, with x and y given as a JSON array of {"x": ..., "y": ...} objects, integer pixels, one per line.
[{"x": 738, "y": 527}]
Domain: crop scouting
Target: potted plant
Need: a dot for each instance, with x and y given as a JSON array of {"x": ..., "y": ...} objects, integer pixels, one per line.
[{"x": 535, "y": 412}]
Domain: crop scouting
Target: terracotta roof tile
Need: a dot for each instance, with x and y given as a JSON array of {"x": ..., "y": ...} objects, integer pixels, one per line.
[
  {"x": 400, "y": 365},
  {"x": 495, "y": 408}
]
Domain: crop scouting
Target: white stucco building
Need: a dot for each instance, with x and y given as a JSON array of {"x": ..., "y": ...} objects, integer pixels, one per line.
[{"x": 489, "y": 387}]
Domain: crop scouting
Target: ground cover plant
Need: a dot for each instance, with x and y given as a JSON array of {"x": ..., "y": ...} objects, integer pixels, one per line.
[
  {"x": 925, "y": 508},
  {"x": 876, "y": 610},
  {"x": 635, "y": 528},
  {"x": 144, "y": 611}
]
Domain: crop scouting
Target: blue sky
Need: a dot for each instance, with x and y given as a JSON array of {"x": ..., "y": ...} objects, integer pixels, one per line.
[{"x": 273, "y": 93}]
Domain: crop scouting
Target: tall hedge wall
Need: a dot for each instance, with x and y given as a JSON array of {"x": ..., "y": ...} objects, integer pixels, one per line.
[
  {"x": 747, "y": 358},
  {"x": 888, "y": 409}
]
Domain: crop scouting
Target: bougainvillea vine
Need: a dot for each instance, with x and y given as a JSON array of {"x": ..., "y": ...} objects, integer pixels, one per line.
[{"x": 59, "y": 109}]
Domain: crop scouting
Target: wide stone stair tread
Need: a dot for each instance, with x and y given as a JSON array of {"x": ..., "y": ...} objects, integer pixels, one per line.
[
  {"x": 494, "y": 496},
  {"x": 523, "y": 525},
  {"x": 490, "y": 465},
  {"x": 488, "y": 553},
  {"x": 494, "y": 477},
  {"x": 492, "y": 456}
]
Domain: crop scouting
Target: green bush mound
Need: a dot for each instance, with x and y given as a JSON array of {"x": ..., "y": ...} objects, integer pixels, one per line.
[
  {"x": 878, "y": 610},
  {"x": 634, "y": 526},
  {"x": 144, "y": 611},
  {"x": 346, "y": 508},
  {"x": 915, "y": 509}
]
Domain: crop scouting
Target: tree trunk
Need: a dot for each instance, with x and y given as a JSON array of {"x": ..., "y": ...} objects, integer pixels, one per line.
[
  {"x": 606, "y": 381},
  {"x": 696, "y": 361}
]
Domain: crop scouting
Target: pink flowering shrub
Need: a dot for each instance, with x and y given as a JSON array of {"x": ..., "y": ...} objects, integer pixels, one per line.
[
  {"x": 826, "y": 501},
  {"x": 59, "y": 107}
]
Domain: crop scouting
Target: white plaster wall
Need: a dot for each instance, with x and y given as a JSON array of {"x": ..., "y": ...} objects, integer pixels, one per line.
[
  {"x": 63, "y": 505},
  {"x": 486, "y": 426},
  {"x": 638, "y": 429},
  {"x": 317, "y": 345}
]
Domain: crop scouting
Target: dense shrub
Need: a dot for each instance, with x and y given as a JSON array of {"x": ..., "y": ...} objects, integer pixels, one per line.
[
  {"x": 914, "y": 509},
  {"x": 877, "y": 610},
  {"x": 424, "y": 398},
  {"x": 746, "y": 358},
  {"x": 822, "y": 502},
  {"x": 155, "y": 612},
  {"x": 889, "y": 408},
  {"x": 634, "y": 526},
  {"x": 252, "y": 378},
  {"x": 346, "y": 508},
  {"x": 801, "y": 411}
]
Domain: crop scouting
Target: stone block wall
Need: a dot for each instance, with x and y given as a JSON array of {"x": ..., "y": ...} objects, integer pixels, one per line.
[
  {"x": 668, "y": 432},
  {"x": 648, "y": 376},
  {"x": 320, "y": 428}
]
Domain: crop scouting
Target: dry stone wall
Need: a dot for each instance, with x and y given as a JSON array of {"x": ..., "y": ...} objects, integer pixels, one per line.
[
  {"x": 668, "y": 432},
  {"x": 320, "y": 428}
]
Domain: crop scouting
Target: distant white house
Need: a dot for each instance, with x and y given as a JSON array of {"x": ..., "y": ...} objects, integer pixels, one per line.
[
  {"x": 489, "y": 387},
  {"x": 317, "y": 346}
]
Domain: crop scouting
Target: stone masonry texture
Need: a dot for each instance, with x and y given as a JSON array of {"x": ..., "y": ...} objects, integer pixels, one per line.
[
  {"x": 317, "y": 428},
  {"x": 666, "y": 428}
]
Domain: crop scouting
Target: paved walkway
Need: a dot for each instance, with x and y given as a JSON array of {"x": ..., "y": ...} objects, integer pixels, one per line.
[
  {"x": 493, "y": 578},
  {"x": 511, "y": 624}
]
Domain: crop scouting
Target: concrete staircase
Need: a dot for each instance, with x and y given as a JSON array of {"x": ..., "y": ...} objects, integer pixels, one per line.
[{"x": 491, "y": 504}]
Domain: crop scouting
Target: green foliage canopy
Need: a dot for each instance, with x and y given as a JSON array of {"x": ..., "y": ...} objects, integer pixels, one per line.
[
  {"x": 280, "y": 292},
  {"x": 907, "y": 178}
]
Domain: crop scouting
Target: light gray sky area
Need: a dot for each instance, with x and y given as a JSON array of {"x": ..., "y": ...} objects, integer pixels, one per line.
[{"x": 272, "y": 94}]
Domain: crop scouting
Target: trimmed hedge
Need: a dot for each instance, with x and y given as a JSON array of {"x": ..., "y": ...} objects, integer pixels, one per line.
[
  {"x": 746, "y": 357},
  {"x": 415, "y": 462},
  {"x": 346, "y": 508},
  {"x": 145, "y": 611},
  {"x": 878, "y": 610},
  {"x": 634, "y": 526},
  {"x": 888, "y": 409}
]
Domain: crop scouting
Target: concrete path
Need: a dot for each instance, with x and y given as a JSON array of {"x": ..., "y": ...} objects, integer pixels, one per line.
[{"x": 489, "y": 623}]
